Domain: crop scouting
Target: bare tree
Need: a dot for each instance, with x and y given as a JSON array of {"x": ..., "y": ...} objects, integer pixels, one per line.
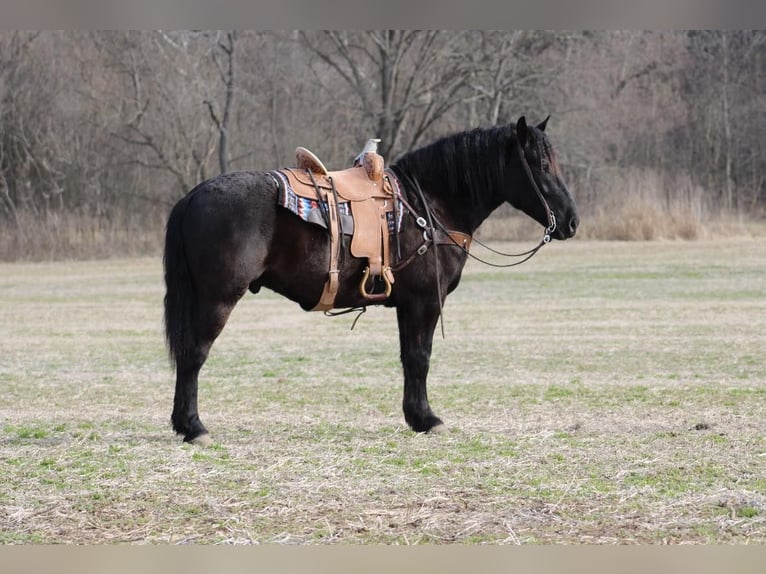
[
  {"x": 403, "y": 81},
  {"x": 35, "y": 152},
  {"x": 724, "y": 98},
  {"x": 109, "y": 126},
  {"x": 160, "y": 85},
  {"x": 510, "y": 71},
  {"x": 226, "y": 70}
]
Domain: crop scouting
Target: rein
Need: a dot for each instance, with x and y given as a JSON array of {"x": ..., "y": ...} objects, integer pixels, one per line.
[
  {"x": 432, "y": 225},
  {"x": 527, "y": 255}
]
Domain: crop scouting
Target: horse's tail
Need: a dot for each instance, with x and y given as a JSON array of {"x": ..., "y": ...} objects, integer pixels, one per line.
[{"x": 179, "y": 295}]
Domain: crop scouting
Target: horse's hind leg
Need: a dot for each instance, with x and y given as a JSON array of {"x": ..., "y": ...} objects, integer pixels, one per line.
[{"x": 208, "y": 321}]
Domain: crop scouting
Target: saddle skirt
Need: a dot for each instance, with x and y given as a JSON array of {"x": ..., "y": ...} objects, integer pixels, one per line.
[{"x": 358, "y": 201}]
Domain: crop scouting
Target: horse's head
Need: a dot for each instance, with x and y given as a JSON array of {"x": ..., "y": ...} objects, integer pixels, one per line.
[{"x": 539, "y": 189}]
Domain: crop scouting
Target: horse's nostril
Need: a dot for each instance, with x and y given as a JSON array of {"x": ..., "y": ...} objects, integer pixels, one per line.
[{"x": 573, "y": 223}]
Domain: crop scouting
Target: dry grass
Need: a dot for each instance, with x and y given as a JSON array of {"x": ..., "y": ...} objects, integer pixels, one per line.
[
  {"x": 632, "y": 219},
  {"x": 639, "y": 219},
  {"x": 65, "y": 235},
  {"x": 643, "y": 205},
  {"x": 621, "y": 205},
  {"x": 637, "y": 205},
  {"x": 601, "y": 393}
]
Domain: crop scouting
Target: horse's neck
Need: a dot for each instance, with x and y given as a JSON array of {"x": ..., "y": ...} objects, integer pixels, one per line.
[{"x": 462, "y": 211}]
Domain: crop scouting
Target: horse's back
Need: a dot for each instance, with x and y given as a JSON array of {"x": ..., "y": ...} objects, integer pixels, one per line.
[
  {"x": 233, "y": 191},
  {"x": 227, "y": 225},
  {"x": 236, "y": 237},
  {"x": 234, "y": 202}
]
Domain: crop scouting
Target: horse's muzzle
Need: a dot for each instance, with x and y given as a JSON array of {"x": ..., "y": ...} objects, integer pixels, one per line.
[
  {"x": 567, "y": 228},
  {"x": 572, "y": 225}
]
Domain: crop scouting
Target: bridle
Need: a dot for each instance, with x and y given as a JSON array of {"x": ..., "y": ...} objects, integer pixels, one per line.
[
  {"x": 432, "y": 224},
  {"x": 549, "y": 212},
  {"x": 527, "y": 255}
]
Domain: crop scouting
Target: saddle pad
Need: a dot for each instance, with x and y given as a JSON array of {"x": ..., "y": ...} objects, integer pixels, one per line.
[{"x": 309, "y": 209}]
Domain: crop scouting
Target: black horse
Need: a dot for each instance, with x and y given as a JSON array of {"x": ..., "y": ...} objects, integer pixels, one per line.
[{"x": 228, "y": 236}]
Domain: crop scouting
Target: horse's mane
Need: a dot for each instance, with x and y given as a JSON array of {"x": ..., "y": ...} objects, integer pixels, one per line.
[{"x": 470, "y": 163}]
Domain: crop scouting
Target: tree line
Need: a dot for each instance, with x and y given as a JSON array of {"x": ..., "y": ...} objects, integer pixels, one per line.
[{"x": 107, "y": 129}]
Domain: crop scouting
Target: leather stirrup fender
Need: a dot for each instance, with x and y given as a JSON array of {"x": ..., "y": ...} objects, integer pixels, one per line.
[{"x": 330, "y": 290}]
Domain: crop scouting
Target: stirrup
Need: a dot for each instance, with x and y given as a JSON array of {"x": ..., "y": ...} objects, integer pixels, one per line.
[{"x": 374, "y": 296}]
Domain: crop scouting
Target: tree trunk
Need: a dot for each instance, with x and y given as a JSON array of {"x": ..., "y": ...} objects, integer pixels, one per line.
[
  {"x": 223, "y": 143},
  {"x": 727, "y": 121}
]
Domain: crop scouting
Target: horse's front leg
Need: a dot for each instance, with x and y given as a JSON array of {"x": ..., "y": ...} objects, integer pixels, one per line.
[{"x": 416, "y": 333}]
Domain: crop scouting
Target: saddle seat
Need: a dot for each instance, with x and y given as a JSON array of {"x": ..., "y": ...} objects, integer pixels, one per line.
[
  {"x": 371, "y": 197},
  {"x": 352, "y": 184}
]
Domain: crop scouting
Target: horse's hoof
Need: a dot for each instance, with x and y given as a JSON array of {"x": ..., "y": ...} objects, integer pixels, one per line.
[
  {"x": 202, "y": 440},
  {"x": 441, "y": 428}
]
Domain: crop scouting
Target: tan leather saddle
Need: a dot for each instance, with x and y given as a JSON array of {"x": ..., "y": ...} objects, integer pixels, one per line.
[{"x": 371, "y": 197}]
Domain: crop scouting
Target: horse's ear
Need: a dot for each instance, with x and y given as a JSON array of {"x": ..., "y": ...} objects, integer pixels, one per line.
[
  {"x": 542, "y": 124},
  {"x": 522, "y": 131}
]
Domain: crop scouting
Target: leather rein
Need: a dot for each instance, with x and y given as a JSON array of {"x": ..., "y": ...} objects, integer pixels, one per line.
[
  {"x": 434, "y": 226},
  {"x": 433, "y": 229}
]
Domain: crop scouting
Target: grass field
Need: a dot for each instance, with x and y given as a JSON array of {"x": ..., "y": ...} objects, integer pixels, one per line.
[{"x": 601, "y": 393}]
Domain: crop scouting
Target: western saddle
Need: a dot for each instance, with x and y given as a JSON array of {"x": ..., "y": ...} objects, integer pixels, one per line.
[{"x": 371, "y": 196}]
